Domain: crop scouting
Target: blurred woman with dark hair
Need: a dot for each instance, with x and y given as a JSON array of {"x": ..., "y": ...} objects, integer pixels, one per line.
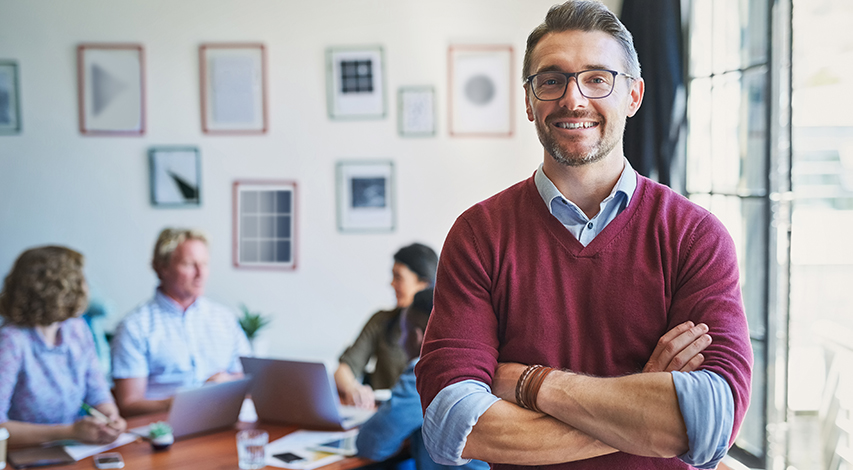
[{"x": 48, "y": 365}]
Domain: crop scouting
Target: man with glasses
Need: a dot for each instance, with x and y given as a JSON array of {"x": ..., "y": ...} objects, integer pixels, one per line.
[{"x": 574, "y": 311}]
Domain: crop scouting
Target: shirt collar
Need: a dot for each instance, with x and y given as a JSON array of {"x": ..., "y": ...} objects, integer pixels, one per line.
[
  {"x": 626, "y": 185},
  {"x": 167, "y": 304}
]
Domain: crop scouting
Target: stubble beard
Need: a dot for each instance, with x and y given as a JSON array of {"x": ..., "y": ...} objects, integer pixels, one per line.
[{"x": 563, "y": 156}]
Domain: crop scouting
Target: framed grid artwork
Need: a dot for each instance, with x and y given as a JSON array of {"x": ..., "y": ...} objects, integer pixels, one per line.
[
  {"x": 111, "y": 89},
  {"x": 233, "y": 88},
  {"x": 416, "y": 111},
  {"x": 175, "y": 176},
  {"x": 480, "y": 101},
  {"x": 365, "y": 193},
  {"x": 265, "y": 224},
  {"x": 355, "y": 83},
  {"x": 10, "y": 101}
]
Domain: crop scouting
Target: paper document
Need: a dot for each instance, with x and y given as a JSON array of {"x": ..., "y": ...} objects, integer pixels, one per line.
[
  {"x": 292, "y": 451},
  {"x": 81, "y": 451}
]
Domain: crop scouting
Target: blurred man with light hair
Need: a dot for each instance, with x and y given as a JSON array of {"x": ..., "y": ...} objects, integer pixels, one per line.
[{"x": 179, "y": 338}]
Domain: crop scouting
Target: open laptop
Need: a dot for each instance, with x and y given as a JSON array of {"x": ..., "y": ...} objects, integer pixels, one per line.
[
  {"x": 205, "y": 408},
  {"x": 299, "y": 393}
]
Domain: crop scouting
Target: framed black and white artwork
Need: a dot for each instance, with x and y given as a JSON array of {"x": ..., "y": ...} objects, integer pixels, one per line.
[
  {"x": 175, "y": 176},
  {"x": 111, "y": 95},
  {"x": 10, "y": 102},
  {"x": 265, "y": 224},
  {"x": 355, "y": 83},
  {"x": 480, "y": 100},
  {"x": 365, "y": 192},
  {"x": 233, "y": 88},
  {"x": 416, "y": 111}
]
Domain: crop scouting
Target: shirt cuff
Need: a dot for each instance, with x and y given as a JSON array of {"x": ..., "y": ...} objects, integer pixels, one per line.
[
  {"x": 707, "y": 407},
  {"x": 450, "y": 417}
]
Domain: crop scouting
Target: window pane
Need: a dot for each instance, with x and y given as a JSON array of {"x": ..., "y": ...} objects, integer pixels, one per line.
[
  {"x": 267, "y": 202},
  {"x": 700, "y": 38},
  {"x": 726, "y": 35},
  {"x": 282, "y": 226},
  {"x": 755, "y": 31},
  {"x": 754, "y": 131},
  {"x": 267, "y": 226},
  {"x": 249, "y": 252},
  {"x": 283, "y": 251},
  {"x": 752, "y": 433},
  {"x": 250, "y": 226},
  {"x": 699, "y": 136},
  {"x": 283, "y": 202},
  {"x": 267, "y": 254},
  {"x": 725, "y": 130}
]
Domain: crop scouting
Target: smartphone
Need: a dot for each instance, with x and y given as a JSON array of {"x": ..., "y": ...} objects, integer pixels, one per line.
[
  {"x": 343, "y": 446},
  {"x": 109, "y": 460}
]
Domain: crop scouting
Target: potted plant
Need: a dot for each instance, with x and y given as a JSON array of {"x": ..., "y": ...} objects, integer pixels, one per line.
[
  {"x": 160, "y": 434},
  {"x": 252, "y": 323}
]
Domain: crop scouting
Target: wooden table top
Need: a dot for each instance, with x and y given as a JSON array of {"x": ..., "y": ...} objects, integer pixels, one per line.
[{"x": 212, "y": 451}]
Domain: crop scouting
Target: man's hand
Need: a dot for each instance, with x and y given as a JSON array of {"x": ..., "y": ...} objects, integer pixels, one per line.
[
  {"x": 680, "y": 349},
  {"x": 220, "y": 377}
]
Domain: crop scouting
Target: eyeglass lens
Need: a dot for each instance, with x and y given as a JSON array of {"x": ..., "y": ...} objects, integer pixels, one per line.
[{"x": 592, "y": 84}]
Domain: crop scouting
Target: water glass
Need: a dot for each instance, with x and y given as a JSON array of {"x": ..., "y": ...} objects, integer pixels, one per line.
[{"x": 250, "y": 448}]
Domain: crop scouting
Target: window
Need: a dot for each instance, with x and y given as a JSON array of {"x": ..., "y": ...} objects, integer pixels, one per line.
[{"x": 735, "y": 168}]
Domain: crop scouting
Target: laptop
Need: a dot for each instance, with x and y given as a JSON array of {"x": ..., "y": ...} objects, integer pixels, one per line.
[
  {"x": 300, "y": 393},
  {"x": 206, "y": 408}
]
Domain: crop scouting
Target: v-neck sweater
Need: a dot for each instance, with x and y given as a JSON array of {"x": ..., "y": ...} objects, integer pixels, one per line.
[{"x": 514, "y": 285}]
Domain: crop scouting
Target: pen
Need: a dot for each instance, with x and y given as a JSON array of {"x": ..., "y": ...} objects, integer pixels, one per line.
[{"x": 95, "y": 413}]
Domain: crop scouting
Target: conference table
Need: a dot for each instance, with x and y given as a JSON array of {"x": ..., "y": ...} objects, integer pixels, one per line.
[{"x": 216, "y": 450}]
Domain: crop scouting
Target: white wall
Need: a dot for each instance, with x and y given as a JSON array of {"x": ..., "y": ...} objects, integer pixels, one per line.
[{"x": 92, "y": 193}]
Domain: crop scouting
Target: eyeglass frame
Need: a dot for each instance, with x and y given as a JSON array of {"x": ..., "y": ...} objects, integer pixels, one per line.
[{"x": 569, "y": 76}]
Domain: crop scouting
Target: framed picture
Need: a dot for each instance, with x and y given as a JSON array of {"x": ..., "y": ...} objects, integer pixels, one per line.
[
  {"x": 480, "y": 98},
  {"x": 10, "y": 102},
  {"x": 365, "y": 196},
  {"x": 111, "y": 80},
  {"x": 265, "y": 224},
  {"x": 175, "y": 176},
  {"x": 355, "y": 83},
  {"x": 233, "y": 88},
  {"x": 416, "y": 111}
]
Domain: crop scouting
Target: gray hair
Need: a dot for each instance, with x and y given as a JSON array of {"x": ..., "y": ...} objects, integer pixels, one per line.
[
  {"x": 168, "y": 241},
  {"x": 583, "y": 15}
]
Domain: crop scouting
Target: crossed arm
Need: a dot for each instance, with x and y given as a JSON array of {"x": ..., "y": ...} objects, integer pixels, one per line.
[{"x": 587, "y": 417}]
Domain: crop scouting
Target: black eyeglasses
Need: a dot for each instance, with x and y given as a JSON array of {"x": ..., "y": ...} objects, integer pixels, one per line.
[{"x": 593, "y": 84}]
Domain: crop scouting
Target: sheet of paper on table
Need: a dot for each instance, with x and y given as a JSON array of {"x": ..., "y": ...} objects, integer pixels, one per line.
[
  {"x": 298, "y": 444},
  {"x": 81, "y": 451}
]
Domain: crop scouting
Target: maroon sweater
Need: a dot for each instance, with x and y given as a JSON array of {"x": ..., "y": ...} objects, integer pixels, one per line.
[{"x": 514, "y": 285}]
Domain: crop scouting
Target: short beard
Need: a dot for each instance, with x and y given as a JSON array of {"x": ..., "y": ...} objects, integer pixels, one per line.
[{"x": 566, "y": 158}]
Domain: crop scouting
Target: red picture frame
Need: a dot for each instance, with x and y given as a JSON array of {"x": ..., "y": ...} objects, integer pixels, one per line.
[
  {"x": 111, "y": 89},
  {"x": 233, "y": 88},
  {"x": 275, "y": 239}
]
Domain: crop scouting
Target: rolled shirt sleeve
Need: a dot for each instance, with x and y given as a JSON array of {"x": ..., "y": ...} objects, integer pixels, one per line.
[
  {"x": 707, "y": 407},
  {"x": 450, "y": 417}
]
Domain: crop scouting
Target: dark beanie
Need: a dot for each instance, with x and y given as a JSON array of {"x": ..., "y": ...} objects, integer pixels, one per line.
[{"x": 420, "y": 259}]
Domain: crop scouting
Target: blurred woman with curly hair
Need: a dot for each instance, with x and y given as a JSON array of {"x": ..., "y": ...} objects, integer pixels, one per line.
[{"x": 48, "y": 365}]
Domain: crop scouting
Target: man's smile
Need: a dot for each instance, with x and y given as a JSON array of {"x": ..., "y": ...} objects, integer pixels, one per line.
[{"x": 576, "y": 125}]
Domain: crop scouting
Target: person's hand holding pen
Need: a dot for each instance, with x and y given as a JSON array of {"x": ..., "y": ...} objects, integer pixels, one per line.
[{"x": 102, "y": 425}]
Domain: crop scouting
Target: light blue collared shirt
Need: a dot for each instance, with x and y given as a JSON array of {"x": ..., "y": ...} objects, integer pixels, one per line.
[{"x": 705, "y": 398}]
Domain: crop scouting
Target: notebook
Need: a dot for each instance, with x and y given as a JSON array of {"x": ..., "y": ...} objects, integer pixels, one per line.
[
  {"x": 300, "y": 393},
  {"x": 205, "y": 408}
]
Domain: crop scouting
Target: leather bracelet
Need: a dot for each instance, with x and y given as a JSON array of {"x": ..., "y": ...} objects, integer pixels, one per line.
[
  {"x": 520, "y": 385},
  {"x": 533, "y": 386}
]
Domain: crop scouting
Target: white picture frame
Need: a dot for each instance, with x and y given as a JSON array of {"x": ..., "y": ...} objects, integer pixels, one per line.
[
  {"x": 233, "y": 88},
  {"x": 366, "y": 196},
  {"x": 355, "y": 82},
  {"x": 175, "y": 176},
  {"x": 416, "y": 111},
  {"x": 480, "y": 99},
  {"x": 111, "y": 80}
]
